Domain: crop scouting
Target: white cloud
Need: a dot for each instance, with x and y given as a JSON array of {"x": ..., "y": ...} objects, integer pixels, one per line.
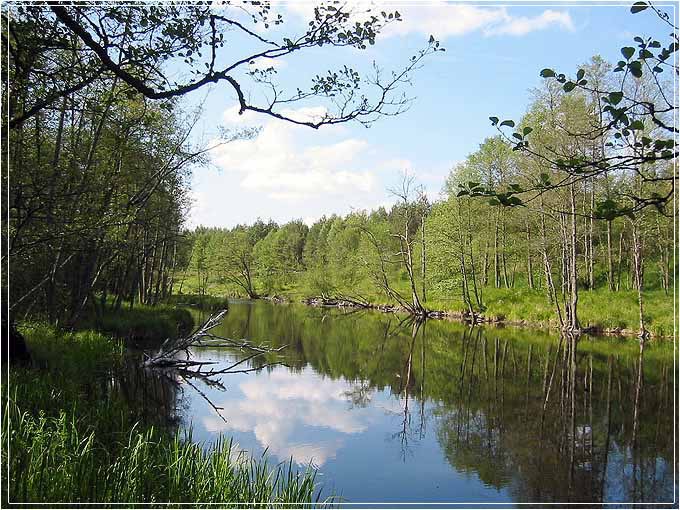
[
  {"x": 443, "y": 19},
  {"x": 523, "y": 25},
  {"x": 266, "y": 63},
  {"x": 278, "y": 164},
  {"x": 276, "y": 406}
]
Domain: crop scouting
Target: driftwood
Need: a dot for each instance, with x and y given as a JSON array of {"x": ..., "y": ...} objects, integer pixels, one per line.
[
  {"x": 173, "y": 359},
  {"x": 339, "y": 301}
]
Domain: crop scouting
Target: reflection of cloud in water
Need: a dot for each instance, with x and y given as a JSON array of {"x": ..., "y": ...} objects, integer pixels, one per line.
[{"x": 280, "y": 405}]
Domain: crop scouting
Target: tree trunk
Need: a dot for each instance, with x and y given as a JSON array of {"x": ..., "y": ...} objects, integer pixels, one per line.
[
  {"x": 638, "y": 275},
  {"x": 619, "y": 268},
  {"x": 610, "y": 260},
  {"x": 530, "y": 269},
  {"x": 423, "y": 256},
  {"x": 573, "y": 275},
  {"x": 591, "y": 255},
  {"x": 547, "y": 267},
  {"x": 496, "y": 260}
]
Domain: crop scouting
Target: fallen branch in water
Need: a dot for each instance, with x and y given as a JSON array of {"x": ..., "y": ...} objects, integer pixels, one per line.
[
  {"x": 169, "y": 361},
  {"x": 339, "y": 300}
]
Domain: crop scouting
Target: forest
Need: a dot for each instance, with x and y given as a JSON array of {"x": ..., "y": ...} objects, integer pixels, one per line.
[
  {"x": 468, "y": 253},
  {"x": 563, "y": 220}
]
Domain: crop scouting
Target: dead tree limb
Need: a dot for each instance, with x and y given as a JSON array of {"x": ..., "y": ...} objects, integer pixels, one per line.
[{"x": 173, "y": 358}]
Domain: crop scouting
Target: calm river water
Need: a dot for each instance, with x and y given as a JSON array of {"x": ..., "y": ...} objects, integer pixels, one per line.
[{"x": 396, "y": 412}]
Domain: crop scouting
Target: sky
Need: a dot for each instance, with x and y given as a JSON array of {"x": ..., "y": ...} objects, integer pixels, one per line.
[{"x": 493, "y": 57}]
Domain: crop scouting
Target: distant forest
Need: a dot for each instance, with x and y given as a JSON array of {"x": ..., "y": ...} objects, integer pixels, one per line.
[{"x": 575, "y": 231}]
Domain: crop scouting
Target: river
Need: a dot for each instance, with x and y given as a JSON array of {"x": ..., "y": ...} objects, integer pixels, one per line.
[{"x": 390, "y": 411}]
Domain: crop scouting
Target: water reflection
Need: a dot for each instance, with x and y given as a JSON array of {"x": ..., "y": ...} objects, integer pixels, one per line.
[
  {"x": 398, "y": 411},
  {"x": 156, "y": 397},
  {"x": 276, "y": 406}
]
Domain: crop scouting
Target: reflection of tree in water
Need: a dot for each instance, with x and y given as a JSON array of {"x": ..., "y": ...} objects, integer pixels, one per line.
[
  {"x": 408, "y": 434},
  {"x": 545, "y": 438},
  {"x": 153, "y": 396},
  {"x": 546, "y": 419},
  {"x": 359, "y": 395}
]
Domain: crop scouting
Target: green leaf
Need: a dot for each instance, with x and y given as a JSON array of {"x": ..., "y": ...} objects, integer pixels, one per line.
[
  {"x": 527, "y": 130},
  {"x": 635, "y": 69},
  {"x": 548, "y": 73},
  {"x": 638, "y": 7},
  {"x": 569, "y": 86},
  {"x": 508, "y": 123},
  {"x": 627, "y": 51},
  {"x": 615, "y": 97},
  {"x": 580, "y": 74},
  {"x": 494, "y": 120},
  {"x": 637, "y": 125}
]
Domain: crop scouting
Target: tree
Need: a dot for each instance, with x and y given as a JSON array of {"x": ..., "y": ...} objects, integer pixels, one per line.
[
  {"x": 400, "y": 230},
  {"x": 235, "y": 260},
  {"x": 627, "y": 133},
  {"x": 199, "y": 262},
  {"x": 136, "y": 45}
]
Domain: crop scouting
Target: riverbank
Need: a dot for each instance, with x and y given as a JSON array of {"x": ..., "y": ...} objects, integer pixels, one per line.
[
  {"x": 77, "y": 436},
  {"x": 497, "y": 320},
  {"x": 140, "y": 324},
  {"x": 600, "y": 311}
]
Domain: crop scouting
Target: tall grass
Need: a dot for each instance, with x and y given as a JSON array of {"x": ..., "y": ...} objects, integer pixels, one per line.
[
  {"x": 51, "y": 459},
  {"x": 72, "y": 439}
]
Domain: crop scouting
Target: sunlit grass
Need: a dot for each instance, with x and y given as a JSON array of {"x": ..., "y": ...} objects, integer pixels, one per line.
[
  {"x": 598, "y": 308},
  {"x": 56, "y": 459}
]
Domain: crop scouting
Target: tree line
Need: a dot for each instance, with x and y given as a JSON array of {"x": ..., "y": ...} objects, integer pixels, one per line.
[
  {"x": 99, "y": 148},
  {"x": 562, "y": 239}
]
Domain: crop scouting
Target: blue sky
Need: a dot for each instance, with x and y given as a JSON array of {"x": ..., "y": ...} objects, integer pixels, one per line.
[{"x": 493, "y": 56}]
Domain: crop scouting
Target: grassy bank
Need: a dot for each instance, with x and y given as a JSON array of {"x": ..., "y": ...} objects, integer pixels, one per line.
[
  {"x": 203, "y": 301},
  {"x": 73, "y": 438},
  {"x": 141, "y": 324},
  {"x": 598, "y": 308}
]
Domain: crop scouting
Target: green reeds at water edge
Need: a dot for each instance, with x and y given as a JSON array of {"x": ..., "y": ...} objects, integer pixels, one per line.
[
  {"x": 67, "y": 439},
  {"x": 51, "y": 460}
]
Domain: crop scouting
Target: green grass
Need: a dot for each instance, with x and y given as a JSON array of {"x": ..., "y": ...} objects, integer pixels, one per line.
[
  {"x": 141, "y": 324},
  {"x": 73, "y": 439},
  {"x": 52, "y": 460},
  {"x": 598, "y": 308}
]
